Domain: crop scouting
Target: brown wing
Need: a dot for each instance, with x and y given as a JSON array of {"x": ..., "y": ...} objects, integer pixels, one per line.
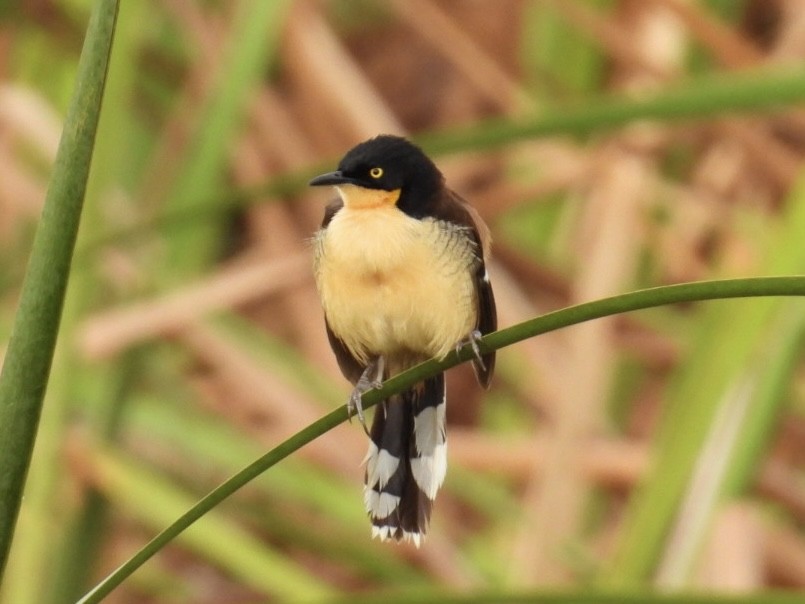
[
  {"x": 349, "y": 365},
  {"x": 487, "y": 323},
  {"x": 452, "y": 207}
]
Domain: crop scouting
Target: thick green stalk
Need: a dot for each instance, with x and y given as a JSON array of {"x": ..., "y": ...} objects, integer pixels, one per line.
[
  {"x": 84, "y": 526},
  {"x": 30, "y": 350},
  {"x": 647, "y": 298}
]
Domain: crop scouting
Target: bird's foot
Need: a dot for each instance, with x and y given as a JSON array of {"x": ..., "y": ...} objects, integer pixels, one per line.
[
  {"x": 371, "y": 378},
  {"x": 472, "y": 339}
]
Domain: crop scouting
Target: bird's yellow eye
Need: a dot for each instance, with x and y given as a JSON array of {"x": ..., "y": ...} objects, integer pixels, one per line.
[{"x": 376, "y": 172}]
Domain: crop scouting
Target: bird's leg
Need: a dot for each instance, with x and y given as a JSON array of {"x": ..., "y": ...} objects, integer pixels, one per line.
[
  {"x": 372, "y": 377},
  {"x": 472, "y": 339}
]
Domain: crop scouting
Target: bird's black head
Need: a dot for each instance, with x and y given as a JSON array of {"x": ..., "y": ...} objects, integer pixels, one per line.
[{"x": 389, "y": 163}]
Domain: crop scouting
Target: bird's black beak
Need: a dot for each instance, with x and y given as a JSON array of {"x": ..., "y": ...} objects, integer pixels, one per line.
[{"x": 330, "y": 178}]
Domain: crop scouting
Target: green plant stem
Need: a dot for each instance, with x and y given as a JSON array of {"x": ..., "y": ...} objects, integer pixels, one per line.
[
  {"x": 30, "y": 350},
  {"x": 647, "y": 298},
  {"x": 750, "y": 92},
  {"x": 580, "y": 597}
]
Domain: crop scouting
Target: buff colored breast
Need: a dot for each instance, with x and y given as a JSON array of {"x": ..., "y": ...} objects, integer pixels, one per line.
[{"x": 391, "y": 284}]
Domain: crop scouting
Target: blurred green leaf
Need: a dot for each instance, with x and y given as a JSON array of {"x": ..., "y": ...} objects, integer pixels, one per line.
[{"x": 740, "y": 351}]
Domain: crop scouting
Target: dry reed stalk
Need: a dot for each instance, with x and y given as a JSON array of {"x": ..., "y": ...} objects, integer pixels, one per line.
[
  {"x": 732, "y": 560},
  {"x": 30, "y": 119},
  {"x": 778, "y": 482},
  {"x": 440, "y": 30},
  {"x": 298, "y": 311},
  {"x": 656, "y": 351},
  {"x": 6, "y": 44},
  {"x": 26, "y": 122},
  {"x": 790, "y": 46},
  {"x": 266, "y": 404},
  {"x": 765, "y": 153},
  {"x": 728, "y": 46},
  {"x": 614, "y": 38},
  {"x": 677, "y": 241},
  {"x": 610, "y": 238},
  {"x": 735, "y": 51},
  {"x": 338, "y": 100},
  {"x": 176, "y": 131},
  {"x": 560, "y": 167},
  {"x": 108, "y": 333},
  {"x": 609, "y": 463},
  {"x": 713, "y": 183},
  {"x": 556, "y": 498},
  {"x": 785, "y": 556},
  {"x": 284, "y": 141},
  {"x": 21, "y": 193},
  {"x": 547, "y": 286},
  {"x": 543, "y": 385},
  {"x": 789, "y": 49}
]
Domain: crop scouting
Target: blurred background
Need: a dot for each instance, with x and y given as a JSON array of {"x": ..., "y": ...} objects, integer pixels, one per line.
[{"x": 661, "y": 450}]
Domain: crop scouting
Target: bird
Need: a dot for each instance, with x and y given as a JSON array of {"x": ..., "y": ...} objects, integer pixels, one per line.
[{"x": 400, "y": 266}]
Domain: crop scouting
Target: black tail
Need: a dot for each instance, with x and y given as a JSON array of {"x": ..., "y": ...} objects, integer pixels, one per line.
[{"x": 407, "y": 461}]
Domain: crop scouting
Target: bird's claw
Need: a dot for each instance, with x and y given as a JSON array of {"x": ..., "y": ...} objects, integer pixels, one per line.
[
  {"x": 472, "y": 339},
  {"x": 355, "y": 407},
  {"x": 370, "y": 379}
]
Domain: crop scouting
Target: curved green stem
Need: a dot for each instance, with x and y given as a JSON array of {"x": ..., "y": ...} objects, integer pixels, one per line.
[{"x": 641, "y": 299}]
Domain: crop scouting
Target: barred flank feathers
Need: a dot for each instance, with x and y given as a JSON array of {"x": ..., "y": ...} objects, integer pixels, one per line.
[{"x": 407, "y": 461}]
